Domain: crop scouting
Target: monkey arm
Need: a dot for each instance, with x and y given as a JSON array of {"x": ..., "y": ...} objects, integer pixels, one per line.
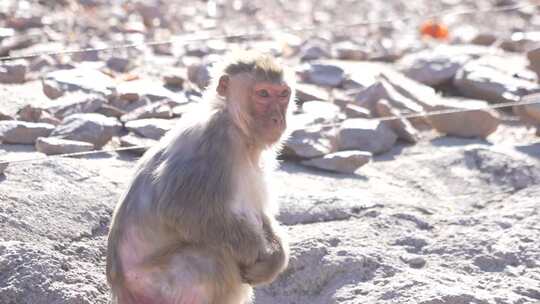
[{"x": 271, "y": 261}]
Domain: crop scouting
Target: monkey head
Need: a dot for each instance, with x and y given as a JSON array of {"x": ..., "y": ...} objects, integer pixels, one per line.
[{"x": 258, "y": 93}]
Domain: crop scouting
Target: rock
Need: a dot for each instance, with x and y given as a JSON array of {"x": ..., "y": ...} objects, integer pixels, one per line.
[
  {"x": 4, "y": 116},
  {"x": 75, "y": 103},
  {"x": 529, "y": 113},
  {"x": 153, "y": 110},
  {"x": 79, "y": 79},
  {"x": 94, "y": 128},
  {"x": 34, "y": 114},
  {"x": 3, "y": 167},
  {"x": 534, "y": 60},
  {"x": 382, "y": 89},
  {"x": 29, "y": 113},
  {"x": 402, "y": 127},
  {"x": 19, "y": 132},
  {"x": 323, "y": 74},
  {"x": 119, "y": 64},
  {"x": 475, "y": 123},
  {"x": 366, "y": 135},
  {"x": 41, "y": 62},
  {"x": 199, "y": 74},
  {"x": 110, "y": 110},
  {"x": 348, "y": 50},
  {"x": 308, "y": 92},
  {"x": 415, "y": 261},
  {"x": 175, "y": 77},
  {"x": 144, "y": 88},
  {"x": 153, "y": 128},
  {"x": 320, "y": 112},
  {"x": 310, "y": 142},
  {"x": 495, "y": 80},
  {"x": 52, "y": 146},
  {"x": 312, "y": 51},
  {"x": 355, "y": 111},
  {"x": 486, "y": 39},
  {"x": 12, "y": 72},
  {"x": 341, "y": 162},
  {"x": 134, "y": 140},
  {"x": 431, "y": 67}
]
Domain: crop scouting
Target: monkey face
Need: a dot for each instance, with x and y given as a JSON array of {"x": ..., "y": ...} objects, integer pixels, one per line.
[{"x": 269, "y": 103}]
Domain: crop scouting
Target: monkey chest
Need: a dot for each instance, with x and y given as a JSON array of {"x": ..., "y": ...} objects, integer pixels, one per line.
[{"x": 250, "y": 201}]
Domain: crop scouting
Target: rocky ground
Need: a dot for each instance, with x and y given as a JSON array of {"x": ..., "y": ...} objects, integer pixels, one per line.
[{"x": 437, "y": 209}]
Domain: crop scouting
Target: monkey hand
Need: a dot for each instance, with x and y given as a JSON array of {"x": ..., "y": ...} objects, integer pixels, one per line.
[{"x": 266, "y": 268}]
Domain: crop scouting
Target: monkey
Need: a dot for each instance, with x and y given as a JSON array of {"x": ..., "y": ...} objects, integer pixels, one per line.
[{"x": 196, "y": 224}]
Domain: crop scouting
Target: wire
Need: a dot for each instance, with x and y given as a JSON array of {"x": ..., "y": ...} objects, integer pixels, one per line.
[
  {"x": 189, "y": 37},
  {"x": 385, "y": 118}
]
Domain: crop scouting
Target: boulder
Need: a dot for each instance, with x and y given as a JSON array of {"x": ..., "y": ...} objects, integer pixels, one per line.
[
  {"x": 402, "y": 127},
  {"x": 529, "y": 113},
  {"x": 12, "y": 72},
  {"x": 20, "y": 132},
  {"x": 310, "y": 142},
  {"x": 153, "y": 110},
  {"x": 534, "y": 60},
  {"x": 495, "y": 80},
  {"x": 133, "y": 140},
  {"x": 74, "y": 103},
  {"x": 110, "y": 110},
  {"x": 323, "y": 74},
  {"x": 153, "y": 128},
  {"x": 366, "y": 135},
  {"x": 52, "y": 146},
  {"x": 347, "y": 50},
  {"x": 34, "y": 114},
  {"x": 431, "y": 67},
  {"x": 308, "y": 92},
  {"x": 94, "y": 128},
  {"x": 83, "y": 79},
  {"x": 144, "y": 88},
  {"x": 469, "y": 123},
  {"x": 119, "y": 64},
  {"x": 175, "y": 77},
  {"x": 341, "y": 162},
  {"x": 4, "y": 116}
]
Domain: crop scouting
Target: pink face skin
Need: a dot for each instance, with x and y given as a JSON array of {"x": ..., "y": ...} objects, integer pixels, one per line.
[{"x": 270, "y": 102}]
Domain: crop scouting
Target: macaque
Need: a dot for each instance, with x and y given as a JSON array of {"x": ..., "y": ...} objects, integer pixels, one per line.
[{"x": 196, "y": 224}]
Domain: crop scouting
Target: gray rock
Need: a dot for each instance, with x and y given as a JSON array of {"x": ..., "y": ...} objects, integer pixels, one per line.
[
  {"x": 94, "y": 128},
  {"x": 534, "y": 60},
  {"x": 402, "y": 127},
  {"x": 310, "y": 142},
  {"x": 320, "y": 112},
  {"x": 199, "y": 74},
  {"x": 19, "y": 132},
  {"x": 52, "y": 145},
  {"x": 366, "y": 135},
  {"x": 119, "y": 64},
  {"x": 433, "y": 68},
  {"x": 4, "y": 116},
  {"x": 469, "y": 123},
  {"x": 12, "y": 72},
  {"x": 355, "y": 111},
  {"x": 311, "y": 51},
  {"x": 75, "y": 103},
  {"x": 134, "y": 140},
  {"x": 153, "y": 110},
  {"x": 495, "y": 80},
  {"x": 144, "y": 88},
  {"x": 323, "y": 74},
  {"x": 415, "y": 261},
  {"x": 348, "y": 50},
  {"x": 110, "y": 110},
  {"x": 153, "y": 128},
  {"x": 175, "y": 77},
  {"x": 341, "y": 162},
  {"x": 79, "y": 79},
  {"x": 3, "y": 166},
  {"x": 308, "y": 92}
]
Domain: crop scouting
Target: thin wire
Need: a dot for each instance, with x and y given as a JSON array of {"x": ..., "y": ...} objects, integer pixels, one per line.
[
  {"x": 385, "y": 118},
  {"x": 186, "y": 38}
]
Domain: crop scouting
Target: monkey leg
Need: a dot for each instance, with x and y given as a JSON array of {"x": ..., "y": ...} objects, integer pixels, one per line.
[{"x": 185, "y": 275}]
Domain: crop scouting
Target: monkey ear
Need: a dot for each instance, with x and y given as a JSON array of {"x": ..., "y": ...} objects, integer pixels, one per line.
[{"x": 223, "y": 85}]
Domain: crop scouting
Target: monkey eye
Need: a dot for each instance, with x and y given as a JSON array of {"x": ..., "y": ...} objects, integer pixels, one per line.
[
  {"x": 263, "y": 93},
  {"x": 284, "y": 93}
]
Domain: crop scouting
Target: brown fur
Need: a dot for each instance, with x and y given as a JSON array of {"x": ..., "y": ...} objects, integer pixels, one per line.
[{"x": 194, "y": 224}]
